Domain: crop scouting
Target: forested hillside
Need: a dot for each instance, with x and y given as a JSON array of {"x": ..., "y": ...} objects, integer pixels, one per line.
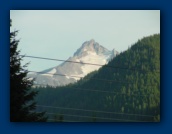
[{"x": 126, "y": 89}]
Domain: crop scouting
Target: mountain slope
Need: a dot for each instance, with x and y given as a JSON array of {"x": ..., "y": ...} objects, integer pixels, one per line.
[
  {"x": 131, "y": 89},
  {"x": 89, "y": 52}
]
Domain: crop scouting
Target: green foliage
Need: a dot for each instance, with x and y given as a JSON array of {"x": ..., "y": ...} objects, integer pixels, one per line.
[
  {"x": 136, "y": 88},
  {"x": 21, "y": 97},
  {"x": 94, "y": 119},
  {"x": 58, "y": 118}
]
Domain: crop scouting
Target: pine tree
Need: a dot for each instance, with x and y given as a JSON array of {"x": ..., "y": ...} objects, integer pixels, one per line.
[{"x": 22, "y": 102}]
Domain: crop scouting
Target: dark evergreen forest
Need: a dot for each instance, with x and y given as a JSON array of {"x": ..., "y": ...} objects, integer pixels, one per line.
[{"x": 127, "y": 89}]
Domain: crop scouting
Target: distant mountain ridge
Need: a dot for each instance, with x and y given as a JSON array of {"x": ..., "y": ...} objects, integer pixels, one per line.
[
  {"x": 126, "y": 95},
  {"x": 89, "y": 52}
]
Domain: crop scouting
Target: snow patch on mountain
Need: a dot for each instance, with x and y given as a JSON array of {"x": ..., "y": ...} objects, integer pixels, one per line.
[{"x": 50, "y": 73}]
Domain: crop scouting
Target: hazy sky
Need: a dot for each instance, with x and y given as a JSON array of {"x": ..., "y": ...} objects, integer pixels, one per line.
[{"x": 59, "y": 33}]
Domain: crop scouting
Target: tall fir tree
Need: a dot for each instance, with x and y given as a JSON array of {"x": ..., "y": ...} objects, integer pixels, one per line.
[{"x": 22, "y": 102}]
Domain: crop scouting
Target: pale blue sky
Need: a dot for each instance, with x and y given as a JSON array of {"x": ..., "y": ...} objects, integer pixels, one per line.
[{"x": 59, "y": 33}]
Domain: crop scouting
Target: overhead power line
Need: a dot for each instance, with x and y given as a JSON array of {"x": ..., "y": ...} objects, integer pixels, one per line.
[
  {"x": 86, "y": 110},
  {"x": 75, "y": 76},
  {"x": 102, "y": 118},
  {"x": 101, "y": 91},
  {"x": 107, "y": 66},
  {"x": 58, "y": 120}
]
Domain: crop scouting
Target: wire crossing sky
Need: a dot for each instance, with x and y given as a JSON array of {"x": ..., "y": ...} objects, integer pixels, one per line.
[{"x": 59, "y": 33}]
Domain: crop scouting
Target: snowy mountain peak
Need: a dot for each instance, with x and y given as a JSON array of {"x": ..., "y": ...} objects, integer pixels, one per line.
[
  {"x": 89, "y": 52},
  {"x": 90, "y": 46},
  {"x": 89, "y": 43}
]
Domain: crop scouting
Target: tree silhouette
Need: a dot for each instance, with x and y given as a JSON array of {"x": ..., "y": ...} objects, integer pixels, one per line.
[{"x": 22, "y": 103}]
